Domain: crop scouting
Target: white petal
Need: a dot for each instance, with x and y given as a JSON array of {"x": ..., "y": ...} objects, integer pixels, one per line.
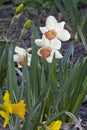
[
  {"x": 43, "y": 29},
  {"x": 56, "y": 44},
  {"x": 46, "y": 41},
  {"x": 19, "y": 66},
  {"x": 38, "y": 52},
  {"x": 28, "y": 62},
  {"x": 29, "y": 55},
  {"x": 16, "y": 57},
  {"x": 58, "y": 55},
  {"x": 42, "y": 42},
  {"x": 29, "y": 59},
  {"x": 64, "y": 35},
  {"x": 50, "y": 58},
  {"x": 59, "y": 26},
  {"x": 20, "y": 50},
  {"x": 29, "y": 49},
  {"x": 39, "y": 42},
  {"x": 50, "y": 22}
]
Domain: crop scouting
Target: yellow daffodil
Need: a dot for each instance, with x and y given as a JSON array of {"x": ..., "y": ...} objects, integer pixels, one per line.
[
  {"x": 19, "y": 109},
  {"x": 5, "y": 115},
  {"x": 8, "y": 108},
  {"x": 55, "y": 125}
]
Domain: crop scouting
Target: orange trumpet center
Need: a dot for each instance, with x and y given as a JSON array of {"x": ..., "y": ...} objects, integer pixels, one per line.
[
  {"x": 21, "y": 62},
  {"x": 50, "y": 34},
  {"x": 45, "y": 52}
]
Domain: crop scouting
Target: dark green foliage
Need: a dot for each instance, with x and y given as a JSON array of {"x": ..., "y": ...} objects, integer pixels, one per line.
[
  {"x": 71, "y": 14},
  {"x": 3, "y": 65},
  {"x": 37, "y": 4},
  {"x": 83, "y": 2},
  {"x": 1, "y": 2}
]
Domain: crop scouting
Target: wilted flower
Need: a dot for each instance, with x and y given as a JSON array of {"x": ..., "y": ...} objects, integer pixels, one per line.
[
  {"x": 48, "y": 49},
  {"x": 55, "y": 125},
  {"x": 21, "y": 55},
  {"x": 8, "y": 108},
  {"x": 55, "y": 30}
]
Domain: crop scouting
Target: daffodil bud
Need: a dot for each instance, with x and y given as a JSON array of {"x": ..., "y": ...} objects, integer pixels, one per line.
[
  {"x": 19, "y": 9},
  {"x": 27, "y": 24}
]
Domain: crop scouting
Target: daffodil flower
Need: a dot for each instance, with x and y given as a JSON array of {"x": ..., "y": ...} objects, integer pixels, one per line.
[
  {"x": 8, "y": 108},
  {"x": 55, "y": 30},
  {"x": 55, "y": 125},
  {"x": 21, "y": 55},
  {"x": 48, "y": 49}
]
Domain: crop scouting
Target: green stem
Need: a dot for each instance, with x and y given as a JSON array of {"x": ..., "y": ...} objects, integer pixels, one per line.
[{"x": 11, "y": 23}]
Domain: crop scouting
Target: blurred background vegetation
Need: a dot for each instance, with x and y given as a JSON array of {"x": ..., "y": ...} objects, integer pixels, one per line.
[{"x": 40, "y": 4}]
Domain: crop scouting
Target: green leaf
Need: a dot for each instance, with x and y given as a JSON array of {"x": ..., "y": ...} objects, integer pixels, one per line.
[
  {"x": 82, "y": 37},
  {"x": 75, "y": 119},
  {"x": 34, "y": 69},
  {"x": 30, "y": 115},
  {"x": 1, "y": 96},
  {"x": 11, "y": 77},
  {"x": 27, "y": 86},
  {"x": 68, "y": 54},
  {"x": 17, "y": 124},
  {"x": 3, "y": 65},
  {"x": 81, "y": 90}
]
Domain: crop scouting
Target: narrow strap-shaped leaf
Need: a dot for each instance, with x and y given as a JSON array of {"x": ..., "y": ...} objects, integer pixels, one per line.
[
  {"x": 82, "y": 37},
  {"x": 75, "y": 119},
  {"x": 67, "y": 55},
  {"x": 3, "y": 65},
  {"x": 11, "y": 77}
]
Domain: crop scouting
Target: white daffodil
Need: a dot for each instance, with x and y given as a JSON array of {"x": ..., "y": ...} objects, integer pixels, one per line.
[
  {"x": 48, "y": 49},
  {"x": 55, "y": 30},
  {"x": 21, "y": 55}
]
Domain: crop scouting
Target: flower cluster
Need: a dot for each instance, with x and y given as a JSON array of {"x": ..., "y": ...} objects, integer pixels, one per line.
[
  {"x": 8, "y": 108},
  {"x": 53, "y": 34},
  {"x": 50, "y": 44}
]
